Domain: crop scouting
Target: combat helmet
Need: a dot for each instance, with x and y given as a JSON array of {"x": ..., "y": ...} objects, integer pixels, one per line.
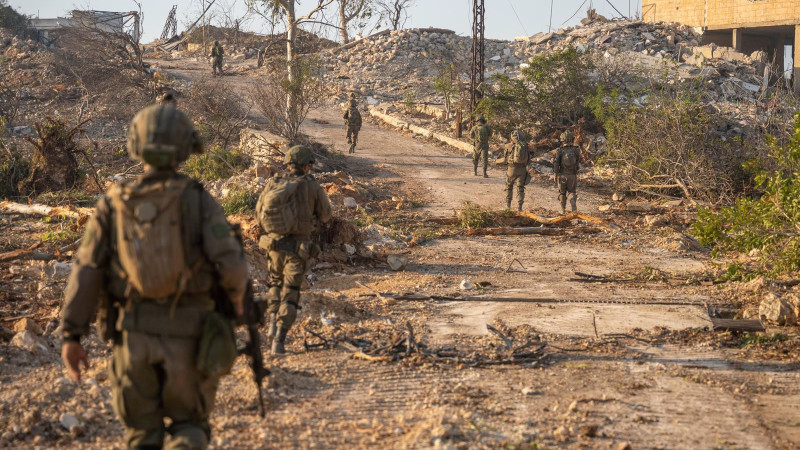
[
  {"x": 482, "y": 119},
  {"x": 162, "y": 136},
  {"x": 299, "y": 155},
  {"x": 567, "y": 137}
]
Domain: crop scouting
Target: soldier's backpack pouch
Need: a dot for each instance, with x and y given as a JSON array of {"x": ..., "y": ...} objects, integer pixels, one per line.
[
  {"x": 569, "y": 160},
  {"x": 277, "y": 208},
  {"x": 519, "y": 154},
  {"x": 216, "y": 351}
]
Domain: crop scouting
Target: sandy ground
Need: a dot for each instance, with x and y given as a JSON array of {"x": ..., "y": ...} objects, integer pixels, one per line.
[{"x": 613, "y": 375}]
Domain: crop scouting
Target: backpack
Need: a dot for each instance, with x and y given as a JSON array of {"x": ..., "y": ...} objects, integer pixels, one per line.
[
  {"x": 354, "y": 118},
  {"x": 519, "y": 154},
  {"x": 569, "y": 159},
  {"x": 279, "y": 206},
  {"x": 149, "y": 237}
]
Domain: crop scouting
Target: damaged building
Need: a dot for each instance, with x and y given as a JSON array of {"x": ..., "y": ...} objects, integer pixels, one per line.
[
  {"x": 47, "y": 30},
  {"x": 772, "y": 26}
]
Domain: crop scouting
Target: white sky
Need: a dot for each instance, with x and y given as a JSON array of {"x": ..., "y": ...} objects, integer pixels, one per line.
[{"x": 501, "y": 20}]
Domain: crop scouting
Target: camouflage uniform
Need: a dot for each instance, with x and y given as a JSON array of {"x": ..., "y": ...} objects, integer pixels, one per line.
[
  {"x": 216, "y": 54},
  {"x": 352, "y": 119},
  {"x": 567, "y": 178},
  {"x": 154, "y": 371},
  {"x": 480, "y": 134},
  {"x": 290, "y": 255},
  {"x": 516, "y": 173}
]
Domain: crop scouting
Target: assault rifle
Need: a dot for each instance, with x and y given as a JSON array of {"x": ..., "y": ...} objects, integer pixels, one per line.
[{"x": 254, "y": 316}]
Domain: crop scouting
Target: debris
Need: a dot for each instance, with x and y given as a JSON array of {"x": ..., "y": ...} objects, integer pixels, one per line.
[
  {"x": 350, "y": 203},
  {"x": 617, "y": 197},
  {"x": 56, "y": 270},
  {"x": 29, "y": 341},
  {"x": 27, "y": 324},
  {"x": 783, "y": 311},
  {"x": 466, "y": 285},
  {"x": 351, "y": 250},
  {"x": 639, "y": 207},
  {"x": 397, "y": 262},
  {"x": 604, "y": 208},
  {"x": 751, "y": 326}
]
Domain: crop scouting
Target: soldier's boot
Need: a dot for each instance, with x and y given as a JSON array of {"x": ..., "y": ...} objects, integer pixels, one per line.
[
  {"x": 519, "y": 207},
  {"x": 279, "y": 342},
  {"x": 520, "y": 199},
  {"x": 484, "y": 172},
  {"x": 563, "y": 200},
  {"x": 475, "y": 169},
  {"x": 573, "y": 202},
  {"x": 272, "y": 326}
]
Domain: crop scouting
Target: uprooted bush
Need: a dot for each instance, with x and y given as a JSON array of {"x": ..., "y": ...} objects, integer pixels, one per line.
[
  {"x": 550, "y": 93},
  {"x": 769, "y": 223},
  {"x": 14, "y": 168},
  {"x": 286, "y": 102},
  {"x": 54, "y": 166},
  {"x": 217, "y": 111},
  {"x": 667, "y": 147},
  {"x": 215, "y": 164}
]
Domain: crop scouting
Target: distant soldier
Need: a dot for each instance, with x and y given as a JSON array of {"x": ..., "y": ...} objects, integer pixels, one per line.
[
  {"x": 517, "y": 156},
  {"x": 565, "y": 166},
  {"x": 480, "y": 134},
  {"x": 289, "y": 210},
  {"x": 216, "y": 55},
  {"x": 154, "y": 256},
  {"x": 352, "y": 120}
]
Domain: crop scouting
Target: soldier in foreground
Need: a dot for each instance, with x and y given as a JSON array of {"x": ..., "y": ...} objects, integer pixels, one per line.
[
  {"x": 153, "y": 254},
  {"x": 289, "y": 210},
  {"x": 216, "y": 58},
  {"x": 352, "y": 120},
  {"x": 480, "y": 134},
  {"x": 517, "y": 156},
  {"x": 565, "y": 166}
]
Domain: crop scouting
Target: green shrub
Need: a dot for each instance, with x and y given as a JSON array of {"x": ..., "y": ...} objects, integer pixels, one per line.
[
  {"x": 551, "y": 93},
  {"x": 240, "y": 201},
  {"x": 768, "y": 223},
  {"x": 14, "y": 167},
  {"x": 215, "y": 164},
  {"x": 667, "y": 146}
]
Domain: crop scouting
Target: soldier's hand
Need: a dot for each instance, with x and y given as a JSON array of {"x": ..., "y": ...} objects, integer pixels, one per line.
[{"x": 73, "y": 354}]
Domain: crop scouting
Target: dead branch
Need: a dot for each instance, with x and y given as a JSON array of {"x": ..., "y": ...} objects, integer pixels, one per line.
[
  {"x": 37, "y": 209},
  {"x": 508, "y": 342},
  {"x": 510, "y": 231}
]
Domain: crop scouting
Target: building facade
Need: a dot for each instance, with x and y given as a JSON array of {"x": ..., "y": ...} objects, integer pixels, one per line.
[{"x": 746, "y": 25}]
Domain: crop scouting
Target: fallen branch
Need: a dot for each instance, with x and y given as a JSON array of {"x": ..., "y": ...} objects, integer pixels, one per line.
[
  {"x": 37, "y": 209},
  {"x": 508, "y": 342},
  {"x": 568, "y": 217},
  {"x": 510, "y": 231},
  {"x": 366, "y": 357}
]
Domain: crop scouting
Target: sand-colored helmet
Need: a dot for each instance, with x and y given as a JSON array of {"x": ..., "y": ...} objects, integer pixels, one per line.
[
  {"x": 299, "y": 155},
  {"x": 162, "y": 136},
  {"x": 567, "y": 137},
  {"x": 353, "y": 103}
]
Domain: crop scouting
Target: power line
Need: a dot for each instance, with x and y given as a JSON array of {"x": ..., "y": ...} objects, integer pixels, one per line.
[{"x": 518, "y": 19}]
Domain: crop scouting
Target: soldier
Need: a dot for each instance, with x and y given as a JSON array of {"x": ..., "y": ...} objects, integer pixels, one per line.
[
  {"x": 152, "y": 254},
  {"x": 565, "y": 166},
  {"x": 289, "y": 210},
  {"x": 216, "y": 55},
  {"x": 480, "y": 137},
  {"x": 352, "y": 120},
  {"x": 517, "y": 156}
]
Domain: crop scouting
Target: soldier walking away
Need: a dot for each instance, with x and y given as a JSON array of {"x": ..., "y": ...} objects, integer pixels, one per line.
[
  {"x": 289, "y": 210},
  {"x": 216, "y": 55},
  {"x": 565, "y": 166},
  {"x": 480, "y": 137},
  {"x": 517, "y": 156},
  {"x": 153, "y": 254},
  {"x": 352, "y": 120}
]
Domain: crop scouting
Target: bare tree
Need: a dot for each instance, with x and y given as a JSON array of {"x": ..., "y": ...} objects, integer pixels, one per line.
[
  {"x": 350, "y": 10},
  {"x": 304, "y": 88},
  {"x": 395, "y": 12},
  {"x": 220, "y": 112}
]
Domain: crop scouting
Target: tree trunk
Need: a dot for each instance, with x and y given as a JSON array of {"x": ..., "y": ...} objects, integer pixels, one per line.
[
  {"x": 291, "y": 30},
  {"x": 343, "y": 21}
]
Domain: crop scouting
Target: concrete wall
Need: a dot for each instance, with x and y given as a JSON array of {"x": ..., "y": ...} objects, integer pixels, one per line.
[{"x": 723, "y": 14}]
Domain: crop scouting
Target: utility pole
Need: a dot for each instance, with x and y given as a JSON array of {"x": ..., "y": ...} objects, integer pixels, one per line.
[{"x": 476, "y": 73}]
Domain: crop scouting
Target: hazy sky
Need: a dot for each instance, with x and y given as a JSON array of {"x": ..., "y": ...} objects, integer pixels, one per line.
[{"x": 505, "y": 19}]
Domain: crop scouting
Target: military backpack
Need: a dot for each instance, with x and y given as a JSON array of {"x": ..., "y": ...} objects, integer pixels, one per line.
[
  {"x": 519, "y": 154},
  {"x": 569, "y": 158},
  {"x": 280, "y": 206},
  {"x": 148, "y": 230},
  {"x": 354, "y": 118}
]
